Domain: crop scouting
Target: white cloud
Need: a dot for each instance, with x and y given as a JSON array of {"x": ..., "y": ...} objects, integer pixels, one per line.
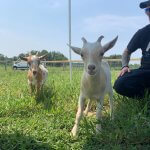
[
  {"x": 107, "y": 23},
  {"x": 111, "y": 25}
]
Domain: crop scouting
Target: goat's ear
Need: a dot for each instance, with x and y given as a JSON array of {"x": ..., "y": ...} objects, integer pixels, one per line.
[
  {"x": 42, "y": 57},
  {"x": 37, "y": 53},
  {"x": 110, "y": 44},
  {"x": 75, "y": 49},
  {"x": 24, "y": 58}
]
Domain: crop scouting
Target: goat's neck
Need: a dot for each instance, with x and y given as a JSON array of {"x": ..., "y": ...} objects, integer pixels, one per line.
[{"x": 91, "y": 86}]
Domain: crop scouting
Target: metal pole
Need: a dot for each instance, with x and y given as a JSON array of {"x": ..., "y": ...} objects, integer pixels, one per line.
[
  {"x": 5, "y": 63},
  {"x": 70, "y": 63}
]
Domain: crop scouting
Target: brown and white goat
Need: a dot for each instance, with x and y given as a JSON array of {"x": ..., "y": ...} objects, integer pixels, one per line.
[{"x": 37, "y": 73}]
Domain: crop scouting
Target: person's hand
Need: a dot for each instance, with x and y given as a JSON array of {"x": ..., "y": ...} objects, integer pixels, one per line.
[{"x": 124, "y": 70}]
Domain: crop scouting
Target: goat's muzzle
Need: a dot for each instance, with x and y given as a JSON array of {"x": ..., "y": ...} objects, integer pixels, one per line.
[
  {"x": 91, "y": 69},
  {"x": 34, "y": 72}
]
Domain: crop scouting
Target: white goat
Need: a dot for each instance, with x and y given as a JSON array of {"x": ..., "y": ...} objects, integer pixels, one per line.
[
  {"x": 96, "y": 79},
  {"x": 37, "y": 73}
]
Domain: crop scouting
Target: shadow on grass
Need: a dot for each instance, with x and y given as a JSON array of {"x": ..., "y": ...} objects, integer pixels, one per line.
[
  {"x": 18, "y": 141},
  {"x": 129, "y": 130},
  {"x": 46, "y": 97}
]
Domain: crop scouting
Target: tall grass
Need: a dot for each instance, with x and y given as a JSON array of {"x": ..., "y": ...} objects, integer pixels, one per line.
[{"x": 45, "y": 123}]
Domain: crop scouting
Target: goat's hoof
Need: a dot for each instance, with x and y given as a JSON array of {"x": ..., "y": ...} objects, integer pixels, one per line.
[
  {"x": 73, "y": 132},
  {"x": 85, "y": 113},
  {"x": 73, "y": 135}
]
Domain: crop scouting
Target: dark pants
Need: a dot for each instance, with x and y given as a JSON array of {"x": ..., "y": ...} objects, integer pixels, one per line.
[{"x": 133, "y": 84}]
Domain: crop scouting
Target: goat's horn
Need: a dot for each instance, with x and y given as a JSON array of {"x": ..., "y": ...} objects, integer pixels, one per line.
[
  {"x": 42, "y": 57},
  {"x": 100, "y": 38},
  {"x": 84, "y": 40}
]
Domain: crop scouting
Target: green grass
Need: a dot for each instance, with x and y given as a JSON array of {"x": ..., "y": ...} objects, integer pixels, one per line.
[{"x": 27, "y": 123}]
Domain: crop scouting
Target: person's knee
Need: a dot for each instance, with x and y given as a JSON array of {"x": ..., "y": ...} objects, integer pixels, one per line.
[
  {"x": 125, "y": 87},
  {"x": 118, "y": 86}
]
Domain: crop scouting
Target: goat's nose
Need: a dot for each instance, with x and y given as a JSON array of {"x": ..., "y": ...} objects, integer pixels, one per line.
[
  {"x": 91, "y": 67},
  {"x": 34, "y": 72}
]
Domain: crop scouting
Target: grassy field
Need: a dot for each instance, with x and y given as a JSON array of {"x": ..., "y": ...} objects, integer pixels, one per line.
[{"x": 27, "y": 123}]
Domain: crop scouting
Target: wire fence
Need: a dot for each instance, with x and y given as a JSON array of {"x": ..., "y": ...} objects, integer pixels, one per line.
[{"x": 63, "y": 65}]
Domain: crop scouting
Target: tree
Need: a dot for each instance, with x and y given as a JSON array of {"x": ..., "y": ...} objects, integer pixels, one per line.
[
  {"x": 113, "y": 56},
  {"x": 43, "y": 52},
  {"x": 15, "y": 58},
  {"x": 2, "y": 58},
  {"x": 51, "y": 56},
  {"x": 21, "y": 55}
]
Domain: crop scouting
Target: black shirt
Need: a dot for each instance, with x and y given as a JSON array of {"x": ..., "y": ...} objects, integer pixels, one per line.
[{"x": 141, "y": 39}]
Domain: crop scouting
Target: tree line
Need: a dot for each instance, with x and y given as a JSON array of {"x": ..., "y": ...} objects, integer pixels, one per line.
[
  {"x": 51, "y": 56},
  {"x": 113, "y": 57}
]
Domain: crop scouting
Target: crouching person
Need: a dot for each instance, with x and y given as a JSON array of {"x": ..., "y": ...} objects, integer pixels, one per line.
[{"x": 134, "y": 83}]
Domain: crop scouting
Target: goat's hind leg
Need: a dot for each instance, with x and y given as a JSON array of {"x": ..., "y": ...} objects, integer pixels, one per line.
[
  {"x": 38, "y": 89},
  {"x": 78, "y": 115},
  {"x": 88, "y": 107},
  {"x": 100, "y": 103},
  {"x": 111, "y": 103},
  {"x": 32, "y": 88}
]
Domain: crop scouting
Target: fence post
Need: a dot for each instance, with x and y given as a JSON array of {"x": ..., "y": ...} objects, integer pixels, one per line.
[
  {"x": 63, "y": 66},
  {"x": 5, "y": 63},
  {"x": 69, "y": 21}
]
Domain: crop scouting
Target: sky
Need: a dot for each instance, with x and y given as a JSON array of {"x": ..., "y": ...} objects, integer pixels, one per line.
[{"x": 27, "y": 25}]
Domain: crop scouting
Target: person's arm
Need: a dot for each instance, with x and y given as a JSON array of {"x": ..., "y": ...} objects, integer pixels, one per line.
[
  {"x": 126, "y": 58},
  {"x": 125, "y": 61},
  {"x": 133, "y": 45}
]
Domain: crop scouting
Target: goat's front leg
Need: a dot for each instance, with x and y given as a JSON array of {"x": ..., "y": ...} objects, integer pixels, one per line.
[
  {"x": 38, "y": 90},
  {"x": 78, "y": 115},
  {"x": 100, "y": 103},
  {"x": 88, "y": 107},
  {"x": 31, "y": 88}
]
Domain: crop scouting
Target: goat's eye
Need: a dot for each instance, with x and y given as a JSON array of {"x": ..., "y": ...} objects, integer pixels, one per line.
[
  {"x": 101, "y": 54},
  {"x": 81, "y": 55}
]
